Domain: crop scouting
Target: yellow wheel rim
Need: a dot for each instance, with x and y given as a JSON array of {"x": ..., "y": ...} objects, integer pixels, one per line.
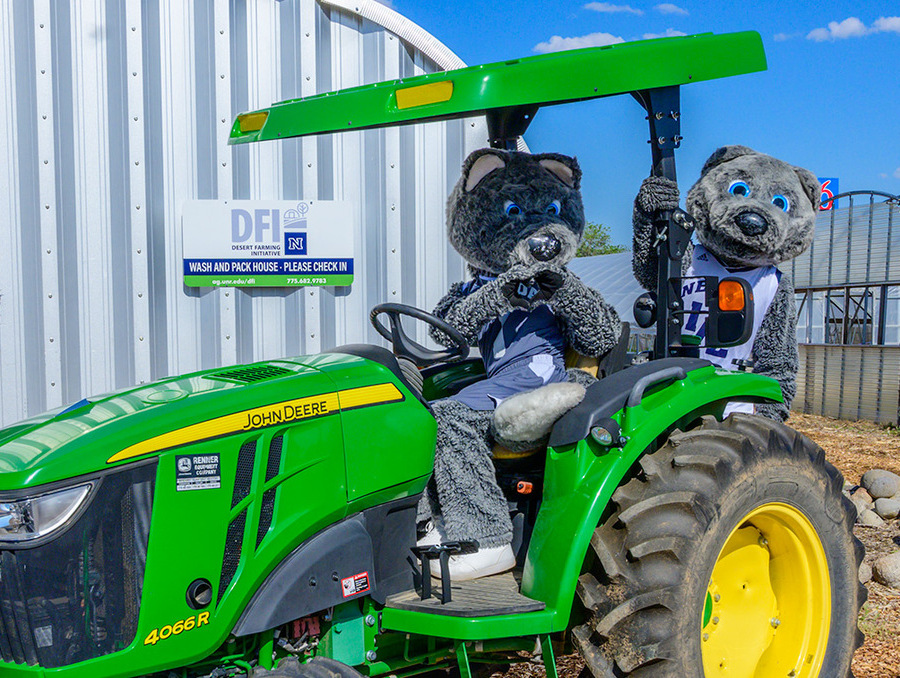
[{"x": 768, "y": 604}]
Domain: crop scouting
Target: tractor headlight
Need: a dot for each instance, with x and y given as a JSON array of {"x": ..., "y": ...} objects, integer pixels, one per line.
[{"x": 22, "y": 520}]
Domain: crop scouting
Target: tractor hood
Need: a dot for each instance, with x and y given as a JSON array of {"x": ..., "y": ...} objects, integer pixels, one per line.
[{"x": 98, "y": 433}]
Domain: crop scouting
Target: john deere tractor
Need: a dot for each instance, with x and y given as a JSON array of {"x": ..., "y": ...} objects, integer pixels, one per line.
[{"x": 259, "y": 520}]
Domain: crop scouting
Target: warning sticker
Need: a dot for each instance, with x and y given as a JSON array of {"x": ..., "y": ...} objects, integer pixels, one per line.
[
  {"x": 358, "y": 583},
  {"x": 197, "y": 472}
]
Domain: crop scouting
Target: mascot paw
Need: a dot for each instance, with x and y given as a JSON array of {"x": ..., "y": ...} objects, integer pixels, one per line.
[{"x": 524, "y": 420}]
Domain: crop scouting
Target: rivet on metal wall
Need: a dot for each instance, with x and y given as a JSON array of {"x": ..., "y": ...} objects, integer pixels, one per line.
[
  {"x": 224, "y": 164},
  {"x": 46, "y": 207},
  {"x": 140, "y": 338},
  {"x": 44, "y": 117},
  {"x": 138, "y": 251},
  {"x": 392, "y": 165},
  {"x": 137, "y": 162},
  {"x": 49, "y": 296},
  {"x": 312, "y": 336},
  {"x": 42, "y": 25},
  {"x": 46, "y": 162},
  {"x": 226, "y": 294},
  {"x": 43, "y": 71},
  {"x": 221, "y": 32},
  {"x": 223, "y": 119},
  {"x": 222, "y": 76},
  {"x": 134, "y": 118},
  {"x": 48, "y": 251},
  {"x": 140, "y": 294},
  {"x": 137, "y": 207},
  {"x": 393, "y": 250},
  {"x": 51, "y": 340},
  {"x": 309, "y": 164},
  {"x": 134, "y": 73},
  {"x": 133, "y": 28},
  {"x": 307, "y": 35},
  {"x": 53, "y": 383},
  {"x": 228, "y": 336}
]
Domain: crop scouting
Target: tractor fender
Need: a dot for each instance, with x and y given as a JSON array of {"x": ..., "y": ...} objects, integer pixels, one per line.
[
  {"x": 582, "y": 475},
  {"x": 366, "y": 554}
]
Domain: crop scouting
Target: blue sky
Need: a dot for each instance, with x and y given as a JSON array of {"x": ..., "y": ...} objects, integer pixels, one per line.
[{"x": 830, "y": 100}]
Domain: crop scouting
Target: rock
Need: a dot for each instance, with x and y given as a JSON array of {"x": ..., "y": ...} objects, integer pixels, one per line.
[
  {"x": 886, "y": 570},
  {"x": 870, "y": 518},
  {"x": 887, "y": 508},
  {"x": 860, "y": 504},
  {"x": 865, "y": 572},
  {"x": 848, "y": 486},
  {"x": 861, "y": 493},
  {"x": 881, "y": 483}
]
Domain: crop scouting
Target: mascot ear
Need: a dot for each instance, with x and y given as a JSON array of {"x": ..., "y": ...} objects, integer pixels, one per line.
[
  {"x": 564, "y": 168},
  {"x": 479, "y": 164},
  {"x": 811, "y": 186},
  {"x": 724, "y": 154}
]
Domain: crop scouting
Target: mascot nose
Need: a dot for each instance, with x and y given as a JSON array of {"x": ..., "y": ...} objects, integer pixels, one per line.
[
  {"x": 752, "y": 223},
  {"x": 544, "y": 247}
]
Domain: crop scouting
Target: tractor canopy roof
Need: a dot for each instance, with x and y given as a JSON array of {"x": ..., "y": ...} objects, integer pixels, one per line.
[{"x": 510, "y": 92}]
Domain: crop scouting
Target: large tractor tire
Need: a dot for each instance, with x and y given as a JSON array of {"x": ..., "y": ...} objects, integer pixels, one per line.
[{"x": 729, "y": 553}]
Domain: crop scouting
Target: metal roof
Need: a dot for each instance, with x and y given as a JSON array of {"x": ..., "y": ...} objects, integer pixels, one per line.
[{"x": 610, "y": 274}]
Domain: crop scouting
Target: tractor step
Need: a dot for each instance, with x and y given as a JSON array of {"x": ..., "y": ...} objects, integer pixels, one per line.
[{"x": 485, "y": 597}]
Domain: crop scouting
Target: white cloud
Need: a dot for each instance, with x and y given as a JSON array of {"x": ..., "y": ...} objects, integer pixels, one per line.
[
  {"x": 669, "y": 8},
  {"x": 897, "y": 173},
  {"x": 848, "y": 28},
  {"x": 559, "y": 44},
  {"x": 781, "y": 37},
  {"x": 887, "y": 24},
  {"x": 609, "y": 8},
  {"x": 670, "y": 33}
]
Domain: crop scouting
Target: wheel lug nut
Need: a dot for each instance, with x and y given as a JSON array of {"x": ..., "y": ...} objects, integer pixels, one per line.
[
  {"x": 775, "y": 622},
  {"x": 717, "y": 597},
  {"x": 705, "y": 636},
  {"x": 715, "y": 620}
]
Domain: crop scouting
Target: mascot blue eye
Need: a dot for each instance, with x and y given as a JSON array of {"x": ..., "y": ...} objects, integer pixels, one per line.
[
  {"x": 512, "y": 209},
  {"x": 781, "y": 203},
  {"x": 739, "y": 188},
  {"x": 553, "y": 207}
]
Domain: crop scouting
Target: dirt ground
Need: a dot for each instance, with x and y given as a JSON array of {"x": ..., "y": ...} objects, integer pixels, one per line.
[{"x": 854, "y": 447}]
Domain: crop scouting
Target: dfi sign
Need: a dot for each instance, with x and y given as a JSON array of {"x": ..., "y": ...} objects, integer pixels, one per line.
[{"x": 256, "y": 243}]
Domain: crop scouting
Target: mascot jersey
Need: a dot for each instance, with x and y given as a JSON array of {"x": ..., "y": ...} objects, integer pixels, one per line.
[
  {"x": 522, "y": 350},
  {"x": 764, "y": 282}
]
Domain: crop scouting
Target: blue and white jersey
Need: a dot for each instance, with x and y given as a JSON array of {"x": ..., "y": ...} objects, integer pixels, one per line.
[
  {"x": 764, "y": 282},
  {"x": 522, "y": 350}
]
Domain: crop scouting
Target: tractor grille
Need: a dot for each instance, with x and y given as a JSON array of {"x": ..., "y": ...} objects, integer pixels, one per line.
[
  {"x": 249, "y": 375},
  {"x": 244, "y": 475},
  {"x": 78, "y": 596},
  {"x": 274, "y": 463},
  {"x": 232, "y": 556}
]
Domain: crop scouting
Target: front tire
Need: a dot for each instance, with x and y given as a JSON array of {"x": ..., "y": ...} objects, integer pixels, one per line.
[{"x": 730, "y": 553}]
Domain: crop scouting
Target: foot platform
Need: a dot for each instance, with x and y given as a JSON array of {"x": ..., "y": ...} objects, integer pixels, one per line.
[{"x": 485, "y": 597}]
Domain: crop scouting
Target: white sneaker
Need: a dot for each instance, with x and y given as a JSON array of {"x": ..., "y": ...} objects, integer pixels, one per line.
[
  {"x": 434, "y": 533},
  {"x": 482, "y": 563}
]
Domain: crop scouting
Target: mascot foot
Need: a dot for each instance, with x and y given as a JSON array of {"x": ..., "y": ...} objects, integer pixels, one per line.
[
  {"x": 524, "y": 419},
  {"x": 484, "y": 562}
]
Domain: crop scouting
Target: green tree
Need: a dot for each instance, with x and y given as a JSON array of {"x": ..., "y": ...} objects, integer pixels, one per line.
[{"x": 596, "y": 241}]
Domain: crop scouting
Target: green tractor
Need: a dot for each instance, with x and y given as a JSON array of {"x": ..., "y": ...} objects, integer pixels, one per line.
[{"x": 260, "y": 520}]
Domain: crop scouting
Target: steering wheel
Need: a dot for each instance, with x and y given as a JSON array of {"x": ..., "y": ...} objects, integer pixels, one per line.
[{"x": 404, "y": 347}]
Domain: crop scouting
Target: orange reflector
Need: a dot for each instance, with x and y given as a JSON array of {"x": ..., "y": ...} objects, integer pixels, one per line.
[
  {"x": 252, "y": 122},
  {"x": 731, "y": 296},
  {"x": 432, "y": 93}
]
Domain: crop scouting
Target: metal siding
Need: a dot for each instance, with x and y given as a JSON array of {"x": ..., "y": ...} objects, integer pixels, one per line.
[{"x": 118, "y": 112}]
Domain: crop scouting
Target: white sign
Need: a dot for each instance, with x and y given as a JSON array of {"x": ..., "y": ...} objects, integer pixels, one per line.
[{"x": 267, "y": 243}]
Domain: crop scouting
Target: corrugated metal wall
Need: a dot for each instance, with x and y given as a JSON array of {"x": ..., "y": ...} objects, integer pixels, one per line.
[
  {"x": 117, "y": 111},
  {"x": 850, "y": 382},
  {"x": 852, "y": 245}
]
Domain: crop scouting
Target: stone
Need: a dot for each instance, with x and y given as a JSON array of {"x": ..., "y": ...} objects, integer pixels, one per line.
[
  {"x": 881, "y": 484},
  {"x": 887, "y": 508},
  {"x": 865, "y": 572},
  {"x": 848, "y": 486},
  {"x": 886, "y": 570},
  {"x": 870, "y": 518},
  {"x": 860, "y": 504},
  {"x": 861, "y": 493}
]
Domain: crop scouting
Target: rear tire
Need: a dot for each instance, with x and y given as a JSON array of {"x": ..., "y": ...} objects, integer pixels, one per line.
[{"x": 730, "y": 553}]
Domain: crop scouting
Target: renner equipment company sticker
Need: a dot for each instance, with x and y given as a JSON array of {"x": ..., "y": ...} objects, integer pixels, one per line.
[
  {"x": 267, "y": 243},
  {"x": 358, "y": 583},
  {"x": 197, "y": 472}
]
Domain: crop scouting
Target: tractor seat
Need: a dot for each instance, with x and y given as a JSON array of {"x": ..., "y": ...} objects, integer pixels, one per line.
[{"x": 598, "y": 368}]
